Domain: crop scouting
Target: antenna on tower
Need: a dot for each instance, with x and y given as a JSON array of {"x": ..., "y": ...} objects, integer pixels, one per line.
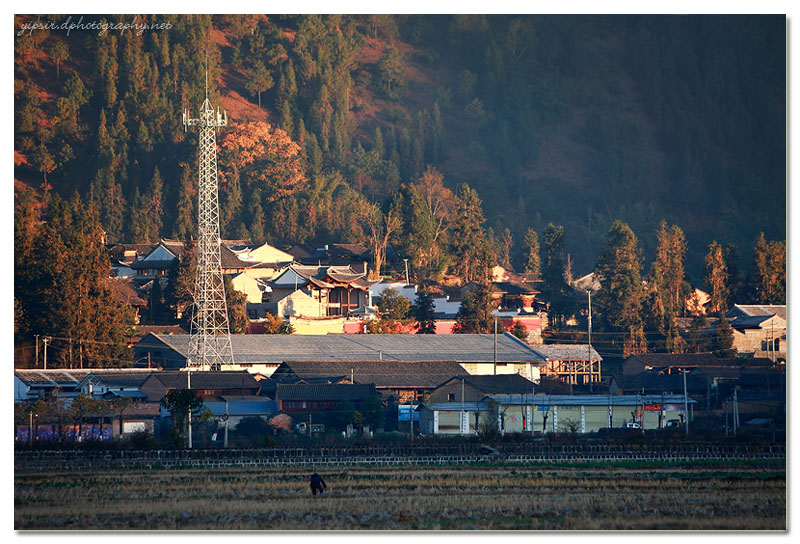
[{"x": 206, "y": 69}]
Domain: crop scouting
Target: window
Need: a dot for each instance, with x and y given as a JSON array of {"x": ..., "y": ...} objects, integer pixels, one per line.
[{"x": 451, "y": 396}]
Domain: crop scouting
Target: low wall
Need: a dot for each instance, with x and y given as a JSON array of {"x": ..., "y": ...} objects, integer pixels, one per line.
[{"x": 39, "y": 461}]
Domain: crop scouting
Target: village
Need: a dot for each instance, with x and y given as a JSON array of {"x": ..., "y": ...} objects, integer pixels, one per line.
[{"x": 331, "y": 376}]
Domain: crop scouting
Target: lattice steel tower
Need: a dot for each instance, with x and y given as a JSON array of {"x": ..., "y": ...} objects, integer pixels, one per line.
[{"x": 210, "y": 340}]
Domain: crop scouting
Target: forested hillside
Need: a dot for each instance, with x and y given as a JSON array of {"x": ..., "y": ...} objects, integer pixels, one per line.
[{"x": 578, "y": 121}]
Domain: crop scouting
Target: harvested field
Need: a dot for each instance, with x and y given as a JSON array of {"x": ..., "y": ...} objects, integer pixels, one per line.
[{"x": 731, "y": 495}]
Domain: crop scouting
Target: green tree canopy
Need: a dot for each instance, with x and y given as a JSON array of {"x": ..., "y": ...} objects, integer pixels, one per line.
[{"x": 620, "y": 300}]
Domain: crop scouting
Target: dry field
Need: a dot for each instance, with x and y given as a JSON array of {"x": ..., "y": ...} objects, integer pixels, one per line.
[{"x": 739, "y": 496}]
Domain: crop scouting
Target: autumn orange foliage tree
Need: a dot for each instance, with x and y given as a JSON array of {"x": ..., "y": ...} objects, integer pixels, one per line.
[{"x": 264, "y": 156}]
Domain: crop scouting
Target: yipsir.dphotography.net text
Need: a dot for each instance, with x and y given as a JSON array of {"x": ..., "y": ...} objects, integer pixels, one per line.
[{"x": 102, "y": 26}]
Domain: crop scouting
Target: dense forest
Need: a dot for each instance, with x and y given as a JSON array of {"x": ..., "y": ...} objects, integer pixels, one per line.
[
  {"x": 459, "y": 140},
  {"x": 573, "y": 120}
]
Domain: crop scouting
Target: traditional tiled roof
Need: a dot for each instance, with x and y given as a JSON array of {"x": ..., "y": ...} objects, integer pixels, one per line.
[
  {"x": 422, "y": 374},
  {"x": 567, "y": 352},
  {"x": 497, "y": 384},
  {"x": 325, "y": 392},
  {"x": 52, "y": 378},
  {"x": 753, "y": 310},
  {"x": 228, "y": 257},
  {"x": 207, "y": 380},
  {"x": 118, "y": 378},
  {"x": 298, "y": 252},
  {"x": 676, "y": 359},
  {"x": 277, "y": 348},
  {"x": 750, "y": 322}
]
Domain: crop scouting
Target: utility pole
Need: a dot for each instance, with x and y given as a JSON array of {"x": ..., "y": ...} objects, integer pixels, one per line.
[
  {"x": 685, "y": 405},
  {"x": 735, "y": 412},
  {"x": 591, "y": 367},
  {"x": 406, "y": 261},
  {"x": 227, "y": 418},
  {"x": 411, "y": 419},
  {"x": 461, "y": 422},
  {"x": 533, "y": 407},
  {"x": 189, "y": 387},
  {"x": 772, "y": 341},
  {"x": 210, "y": 340},
  {"x": 45, "y": 340},
  {"x": 495, "y": 346},
  {"x": 37, "y": 350}
]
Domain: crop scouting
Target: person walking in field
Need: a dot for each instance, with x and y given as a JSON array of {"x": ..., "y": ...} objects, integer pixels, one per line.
[{"x": 317, "y": 484}]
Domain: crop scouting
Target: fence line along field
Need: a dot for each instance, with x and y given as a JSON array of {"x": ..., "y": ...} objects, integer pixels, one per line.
[{"x": 738, "y": 495}]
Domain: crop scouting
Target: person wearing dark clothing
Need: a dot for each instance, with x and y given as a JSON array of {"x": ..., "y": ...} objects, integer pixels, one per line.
[{"x": 318, "y": 484}]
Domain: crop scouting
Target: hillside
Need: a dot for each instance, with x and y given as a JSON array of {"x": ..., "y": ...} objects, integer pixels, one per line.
[{"x": 572, "y": 120}]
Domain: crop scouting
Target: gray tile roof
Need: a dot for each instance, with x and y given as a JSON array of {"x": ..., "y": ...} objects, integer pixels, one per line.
[
  {"x": 676, "y": 359},
  {"x": 325, "y": 392},
  {"x": 207, "y": 380},
  {"x": 758, "y": 310},
  {"x": 501, "y": 383},
  {"x": 391, "y": 374},
  {"x": 52, "y": 378},
  {"x": 118, "y": 378},
  {"x": 277, "y": 348},
  {"x": 566, "y": 352}
]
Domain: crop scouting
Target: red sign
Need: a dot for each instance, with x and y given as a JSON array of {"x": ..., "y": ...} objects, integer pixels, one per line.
[{"x": 652, "y": 407}]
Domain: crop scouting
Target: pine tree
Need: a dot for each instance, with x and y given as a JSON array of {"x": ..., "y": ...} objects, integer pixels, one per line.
[
  {"x": 620, "y": 299},
  {"x": 43, "y": 161},
  {"x": 424, "y": 312},
  {"x": 715, "y": 278},
  {"x": 769, "y": 266},
  {"x": 185, "y": 226},
  {"x": 698, "y": 342},
  {"x": 532, "y": 259},
  {"x": 259, "y": 80},
  {"x": 70, "y": 297},
  {"x": 735, "y": 286},
  {"x": 669, "y": 261},
  {"x": 231, "y": 206},
  {"x": 555, "y": 288},
  {"x": 723, "y": 339},
  {"x": 468, "y": 241},
  {"x": 257, "y": 219},
  {"x": 414, "y": 238},
  {"x": 179, "y": 294},
  {"x": 60, "y": 52},
  {"x": 391, "y": 77},
  {"x": 506, "y": 244},
  {"x": 437, "y": 134},
  {"x": 378, "y": 147},
  {"x": 475, "y": 313},
  {"x": 154, "y": 207},
  {"x": 237, "y": 307}
]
